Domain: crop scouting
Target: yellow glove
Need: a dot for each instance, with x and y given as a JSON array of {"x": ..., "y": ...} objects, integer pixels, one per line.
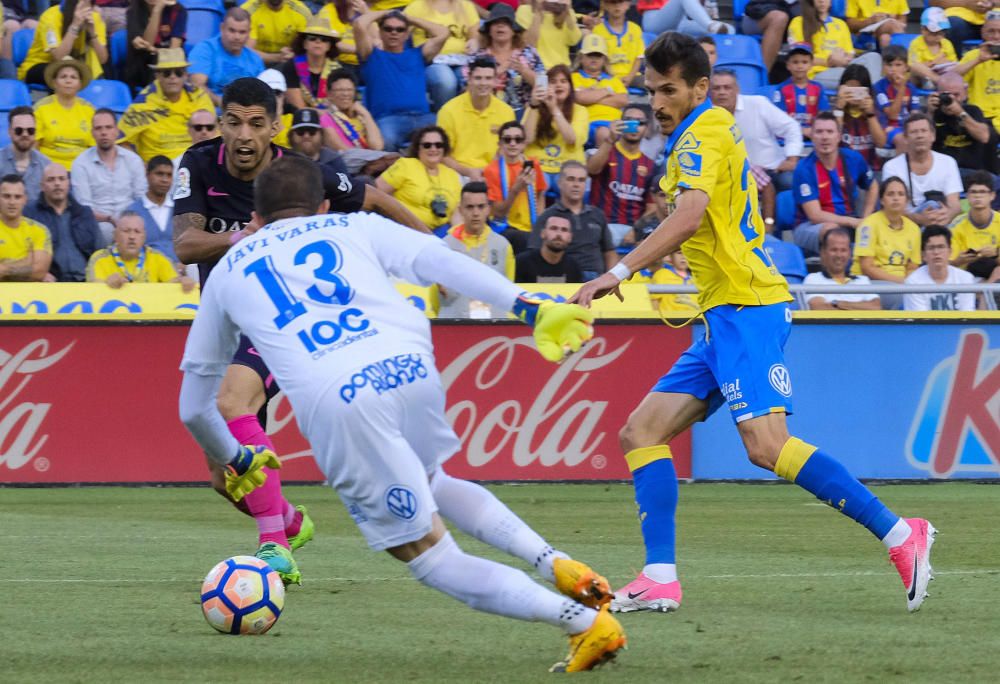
[
  {"x": 243, "y": 473},
  {"x": 562, "y": 329}
]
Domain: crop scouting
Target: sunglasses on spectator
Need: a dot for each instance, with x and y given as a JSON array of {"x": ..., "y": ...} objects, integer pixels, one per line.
[
  {"x": 167, "y": 73},
  {"x": 394, "y": 29},
  {"x": 512, "y": 139},
  {"x": 320, "y": 38},
  {"x": 23, "y": 131},
  {"x": 306, "y": 130},
  {"x": 203, "y": 127},
  {"x": 435, "y": 145}
]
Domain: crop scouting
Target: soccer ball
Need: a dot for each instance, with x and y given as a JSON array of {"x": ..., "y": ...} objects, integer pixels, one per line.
[{"x": 242, "y": 595}]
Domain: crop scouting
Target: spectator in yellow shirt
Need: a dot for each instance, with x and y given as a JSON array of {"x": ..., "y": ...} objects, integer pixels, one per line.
[
  {"x": 473, "y": 119},
  {"x": 975, "y": 238},
  {"x": 624, "y": 41},
  {"x": 444, "y": 74},
  {"x": 966, "y": 18},
  {"x": 981, "y": 70},
  {"x": 556, "y": 126},
  {"x": 864, "y": 13},
  {"x": 130, "y": 260},
  {"x": 157, "y": 121},
  {"x": 63, "y": 119},
  {"x": 931, "y": 54},
  {"x": 25, "y": 245},
  {"x": 550, "y": 27},
  {"x": 273, "y": 26},
  {"x": 833, "y": 47},
  {"x": 888, "y": 243},
  {"x": 83, "y": 36},
  {"x": 601, "y": 93},
  {"x": 338, "y": 16}
]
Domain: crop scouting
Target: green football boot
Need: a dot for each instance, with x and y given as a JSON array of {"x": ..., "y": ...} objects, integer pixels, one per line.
[
  {"x": 306, "y": 530},
  {"x": 281, "y": 561}
]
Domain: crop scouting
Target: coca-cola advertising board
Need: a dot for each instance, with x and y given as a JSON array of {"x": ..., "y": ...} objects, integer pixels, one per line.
[{"x": 98, "y": 403}]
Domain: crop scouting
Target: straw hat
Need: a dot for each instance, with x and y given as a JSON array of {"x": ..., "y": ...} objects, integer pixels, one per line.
[
  {"x": 170, "y": 58},
  {"x": 319, "y": 28},
  {"x": 81, "y": 68}
]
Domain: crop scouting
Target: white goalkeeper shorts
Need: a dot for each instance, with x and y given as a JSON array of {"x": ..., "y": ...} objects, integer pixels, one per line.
[{"x": 377, "y": 435}]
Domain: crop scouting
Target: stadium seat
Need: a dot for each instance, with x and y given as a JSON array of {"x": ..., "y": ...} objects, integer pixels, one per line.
[
  {"x": 767, "y": 91},
  {"x": 784, "y": 210},
  {"x": 217, "y": 6},
  {"x": 13, "y": 93},
  {"x": 737, "y": 49},
  {"x": 102, "y": 92},
  {"x": 750, "y": 76},
  {"x": 4, "y": 138},
  {"x": 119, "y": 48},
  {"x": 903, "y": 39},
  {"x": 202, "y": 25},
  {"x": 787, "y": 258},
  {"x": 738, "y": 8},
  {"x": 20, "y": 44},
  {"x": 838, "y": 8},
  {"x": 648, "y": 38}
]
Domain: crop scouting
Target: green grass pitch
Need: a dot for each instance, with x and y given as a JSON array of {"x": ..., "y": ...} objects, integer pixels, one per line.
[{"x": 101, "y": 584}]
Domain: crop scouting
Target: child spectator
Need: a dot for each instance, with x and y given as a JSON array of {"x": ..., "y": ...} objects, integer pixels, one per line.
[
  {"x": 886, "y": 16},
  {"x": 976, "y": 235},
  {"x": 833, "y": 48},
  {"x": 800, "y": 97},
  {"x": 931, "y": 54},
  {"x": 624, "y": 40},
  {"x": 707, "y": 44},
  {"x": 601, "y": 93},
  {"x": 893, "y": 96}
]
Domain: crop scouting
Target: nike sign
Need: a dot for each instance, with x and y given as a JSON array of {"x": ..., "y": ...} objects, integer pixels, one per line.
[{"x": 212, "y": 192}]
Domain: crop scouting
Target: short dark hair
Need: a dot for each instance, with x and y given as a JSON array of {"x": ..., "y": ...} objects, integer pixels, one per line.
[
  {"x": 839, "y": 230},
  {"x": 726, "y": 71},
  {"x": 571, "y": 164},
  {"x": 979, "y": 177},
  {"x": 826, "y": 115},
  {"x": 341, "y": 75},
  {"x": 706, "y": 40},
  {"x": 856, "y": 72},
  {"x": 482, "y": 62},
  {"x": 396, "y": 14},
  {"x": 21, "y": 110},
  {"x": 918, "y": 116},
  {"x": 291, "y": 183},
  {"x": 158, "y": 161},
  {"x": 509, "y": 125},
  {"x": 676, "y": 49},
  {"x": 640, "y": 107},
  {"x": 474, "y": 188},
  {"x": 12, "y": 178},
  {"x": 892, "y": 179},
  {"x": 894, "y": 53},
  {"x": 414, "y": 148},
  {"x": 250, "y": 92},
  {"x": 104, "y": 110},
  {"x": 934, "y": 231}
]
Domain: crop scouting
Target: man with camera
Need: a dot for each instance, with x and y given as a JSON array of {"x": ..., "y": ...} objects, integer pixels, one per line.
[
  {"x": 961, "y": 130},
  {"x": 981, "y": 69},
  {"x": 620, "y": 174}
]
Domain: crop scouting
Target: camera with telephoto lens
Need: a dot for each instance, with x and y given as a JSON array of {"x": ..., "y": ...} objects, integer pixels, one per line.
[
  {"x": 439, "y": 206},
  {"x": 945, "y": 100}
]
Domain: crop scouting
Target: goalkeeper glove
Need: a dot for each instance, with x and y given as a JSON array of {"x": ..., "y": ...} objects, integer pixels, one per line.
[
  {"x": 559, "y": 328},
  {"x": 243, "y": 473}
]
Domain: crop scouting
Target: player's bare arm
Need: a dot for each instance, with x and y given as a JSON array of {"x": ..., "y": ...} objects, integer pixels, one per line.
[
  {"x": 667, "y": 238},
  {"x": 385, "y": 204},
  {"x": 193, "y": 245}
]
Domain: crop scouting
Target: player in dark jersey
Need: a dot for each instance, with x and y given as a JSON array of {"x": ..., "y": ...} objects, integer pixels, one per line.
[{"x": 213, "y": 210}]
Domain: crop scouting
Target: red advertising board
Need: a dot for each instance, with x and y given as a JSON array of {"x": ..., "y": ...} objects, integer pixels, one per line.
[{"x": 98, "y": 403}]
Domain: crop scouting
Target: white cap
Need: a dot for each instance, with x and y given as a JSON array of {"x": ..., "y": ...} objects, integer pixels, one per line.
[{"x": 275, "y": 79}]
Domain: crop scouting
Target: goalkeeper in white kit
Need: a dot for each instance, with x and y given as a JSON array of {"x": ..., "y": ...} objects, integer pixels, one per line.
[{"x": 355, "y": 359}]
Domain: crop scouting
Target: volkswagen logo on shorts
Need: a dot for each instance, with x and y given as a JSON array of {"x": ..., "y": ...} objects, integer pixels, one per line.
[
  {"x": 401, "y": 502},
  {"x": 780, "y": 379}
]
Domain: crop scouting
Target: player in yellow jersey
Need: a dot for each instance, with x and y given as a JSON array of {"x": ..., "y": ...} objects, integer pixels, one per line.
[{"x": 740, "y": 360}]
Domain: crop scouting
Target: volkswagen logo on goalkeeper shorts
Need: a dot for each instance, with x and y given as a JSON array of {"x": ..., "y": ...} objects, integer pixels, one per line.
[{"x": 401, "y": 502}]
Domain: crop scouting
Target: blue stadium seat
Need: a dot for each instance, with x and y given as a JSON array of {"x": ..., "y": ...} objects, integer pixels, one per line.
[
  {"x": 648, "y": 38},
  {"x": 119, "y": 48},
  {"x": 739, "y": 6},
  {"x": 4, "y": 138},
  {"x": 20, "y": 44},
  {"x": 737, "y": 49},
  {"x": 784, "y": 211},
  {"x": 787, "y": 258},
  {"x": 102, "y": 92},
  {"x": 13, "y": 93},
  {"x": 767, "y": 91},
  {"x": 218, "y": 6},
  {"x": 202, "y": 25},
  {"x": 903, "y": 39},
  {"x": 750, "y": 76},
  {"x": 970, "y": 44},
  {"x": 838, "y": 8}
]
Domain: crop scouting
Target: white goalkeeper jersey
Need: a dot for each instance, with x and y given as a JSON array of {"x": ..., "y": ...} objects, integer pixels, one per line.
[{"x": 314, "y": 297}]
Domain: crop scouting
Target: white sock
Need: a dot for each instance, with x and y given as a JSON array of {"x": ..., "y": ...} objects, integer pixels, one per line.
[
  {"x": 496, "y": 588},
  {"x": 475, "y": 511},
  {"x": 663, "y": 573},
  {"x": 899, "y": 533}
]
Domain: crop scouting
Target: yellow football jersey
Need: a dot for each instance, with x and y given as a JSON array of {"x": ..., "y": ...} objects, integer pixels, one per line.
[
  {"x": 890, "y": 247},
  {"x": 154, "y": 267},
  {"x": 966, "y": 236},
  {"x": 668, "y": 303},
  {"x": 623, "y": 49},
  {"x": 17, "y": 243},
  {"x": 600, "y": 112},
  {"x": 275, "y": 29},
  {"x": 726, "y": 255},
  {"x": 62, "y": 133}
]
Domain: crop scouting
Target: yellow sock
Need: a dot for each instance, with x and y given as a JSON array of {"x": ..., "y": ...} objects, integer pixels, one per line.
[
  {"x": 643, "y": 456},
  {"x": 793, "y": 456}
]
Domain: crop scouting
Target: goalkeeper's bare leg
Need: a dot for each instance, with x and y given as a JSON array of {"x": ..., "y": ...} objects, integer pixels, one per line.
[{"x": 436, "y": 560}]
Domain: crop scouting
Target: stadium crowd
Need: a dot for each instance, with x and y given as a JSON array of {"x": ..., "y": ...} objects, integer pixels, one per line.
[{"x": 516, "y": 130}]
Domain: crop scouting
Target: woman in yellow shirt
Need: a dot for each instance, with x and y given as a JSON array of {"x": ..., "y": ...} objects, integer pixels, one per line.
[
  {"x": 422, "y": 182},
  {"x": 62, "y": 120},
  {"x": 444, "y": 75},
  {"x": 888, "y": 243},
  {"x": 833, "y": 47},
  {"x": 74, "y": 29},
  {"x": 555, "y": 125}
]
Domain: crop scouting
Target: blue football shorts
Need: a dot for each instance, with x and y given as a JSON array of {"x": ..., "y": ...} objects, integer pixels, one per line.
[{"x": 740, "y": 361}]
